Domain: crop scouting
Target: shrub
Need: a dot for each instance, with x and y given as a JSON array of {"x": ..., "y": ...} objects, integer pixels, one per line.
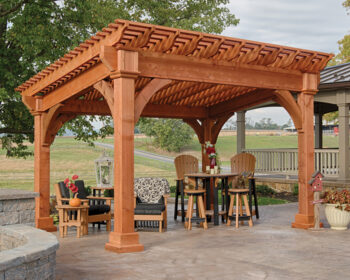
[
  {"x": 108, "y": 193},
  {"x": 296, "y": 189},
  {"x": 172, "y": 189},
  {"x": 265, "y": 190}
]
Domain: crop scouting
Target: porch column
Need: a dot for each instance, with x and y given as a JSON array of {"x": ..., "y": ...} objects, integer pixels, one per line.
[
  {"x": 344, "y": 156},
  {"x": 42, "y": 177},
  {"x": 123, "y": 239},
  {"x": 318, "y": 131},
  {"x": 240, "y": 131}
]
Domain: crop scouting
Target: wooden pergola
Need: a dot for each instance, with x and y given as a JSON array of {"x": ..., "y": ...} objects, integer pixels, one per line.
[{"x": 131, "y": 69}]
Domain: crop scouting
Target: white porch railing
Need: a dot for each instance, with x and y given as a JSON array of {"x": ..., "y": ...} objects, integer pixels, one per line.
[{"x": 285, "y": 161}]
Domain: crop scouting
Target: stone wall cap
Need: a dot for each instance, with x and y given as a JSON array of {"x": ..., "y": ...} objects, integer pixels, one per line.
[
  {"x": 38, "y": 243},
  {"x": 8, "y": 194}
]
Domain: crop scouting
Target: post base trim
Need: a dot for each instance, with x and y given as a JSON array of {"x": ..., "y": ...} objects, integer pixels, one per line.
[
  {"x": 303, "y": 221},
  {"x": 124, "y": 243},
  {"x": 45, "y": 223}
]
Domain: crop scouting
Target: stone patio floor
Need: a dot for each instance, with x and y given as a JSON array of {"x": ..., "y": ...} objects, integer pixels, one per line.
[{"x": 269, "y": 250}]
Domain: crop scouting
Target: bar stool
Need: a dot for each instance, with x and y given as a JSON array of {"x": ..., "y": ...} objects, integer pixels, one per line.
[
  {"x": 202, "y": 218},
  {"x": 239, "y": 194}
]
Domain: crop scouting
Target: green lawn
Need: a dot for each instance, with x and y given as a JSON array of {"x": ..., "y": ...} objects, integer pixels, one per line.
[
  {"x": 69, "y": 157},
  {"x": 226, "y": 145}
]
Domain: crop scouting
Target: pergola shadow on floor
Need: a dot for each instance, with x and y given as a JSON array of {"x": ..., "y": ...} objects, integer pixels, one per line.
[
  {"x": 269, "y": 250},
  {"x": 133, "y": 69}
]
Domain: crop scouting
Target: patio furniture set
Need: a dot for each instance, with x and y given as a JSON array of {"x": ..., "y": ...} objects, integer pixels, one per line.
[{"x": 151, "y": 195}]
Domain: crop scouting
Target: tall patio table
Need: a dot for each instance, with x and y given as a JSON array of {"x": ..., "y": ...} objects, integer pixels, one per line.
[{"x": 212, "y": 202}]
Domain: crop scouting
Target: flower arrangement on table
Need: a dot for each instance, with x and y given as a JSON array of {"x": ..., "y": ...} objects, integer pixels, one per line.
[
  {"x": 211, "y": 152},
  {"x": 70, "y": 185}
]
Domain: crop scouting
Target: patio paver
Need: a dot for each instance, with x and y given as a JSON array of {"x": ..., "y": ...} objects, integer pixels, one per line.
[{"x": 269, "y": 250}]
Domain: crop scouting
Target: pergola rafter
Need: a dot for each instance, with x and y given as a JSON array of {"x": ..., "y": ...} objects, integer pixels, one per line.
[{"x": 134, "y": 69}]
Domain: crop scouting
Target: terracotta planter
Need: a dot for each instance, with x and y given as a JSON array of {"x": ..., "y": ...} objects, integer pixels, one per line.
[
  {"x": 75, "y": 202},
  {"x": 337, "y": 218}
]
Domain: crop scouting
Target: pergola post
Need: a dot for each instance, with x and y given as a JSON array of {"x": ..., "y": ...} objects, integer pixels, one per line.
[
  {"x": 207, "y": 129},
  {"x": 123, "y": 238},
  {"x": 42, "y": 177},
  {"x": 305, "y": 216},
  {"x": 240, "y": 131},
  {"x": 344, "y": 155}
]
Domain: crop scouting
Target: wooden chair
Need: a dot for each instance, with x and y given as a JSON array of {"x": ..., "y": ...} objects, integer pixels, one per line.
[
  {"x": 151, "y": 202},
  {"x": 96, "y": 213},
  {"x": 183, "y": 164},
  {"x": 244, "y": 164}
]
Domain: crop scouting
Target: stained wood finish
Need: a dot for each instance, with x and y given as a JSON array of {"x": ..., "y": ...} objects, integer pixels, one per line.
[
  {"x": 305, "y": 216},
  {"x": 160, "y": 39},
  {"x": 42, "y": 177},
  {"x": 123, "y": 238},
  {"x": 243, "y": 162},
  {"x": 134, "y": 69},
  {"x": 185, "y": 164}
]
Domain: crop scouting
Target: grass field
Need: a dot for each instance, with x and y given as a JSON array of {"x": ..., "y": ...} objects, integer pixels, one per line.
[
  {"x": 69, "y": 157},
  {"x": 226, "y": 145}
]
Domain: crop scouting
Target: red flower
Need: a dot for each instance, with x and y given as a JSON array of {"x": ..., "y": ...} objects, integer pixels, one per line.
[
  {"x": 70, "y": 184},
  {"x": 73, "y": 188},
  {"x": 210, "y": 150}
]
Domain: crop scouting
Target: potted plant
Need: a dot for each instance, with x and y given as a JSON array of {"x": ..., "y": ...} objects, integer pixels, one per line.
[{"x": 337, "y": 209}]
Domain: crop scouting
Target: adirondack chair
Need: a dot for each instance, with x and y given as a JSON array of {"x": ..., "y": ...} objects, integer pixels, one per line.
[
  {"x": 183, "y": 164},
  {"x": 244, "y": 164},
  {"x": 96, "y": 213}
]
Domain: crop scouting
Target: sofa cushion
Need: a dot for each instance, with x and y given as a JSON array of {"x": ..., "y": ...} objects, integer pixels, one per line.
[
  {"x": 150, "y": 190},
  {"x": 149, "y": 208},
  {"x": 98, "y": 209}
]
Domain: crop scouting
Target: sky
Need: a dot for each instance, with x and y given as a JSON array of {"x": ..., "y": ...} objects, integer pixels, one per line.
[{"x": 309, "y": 24}]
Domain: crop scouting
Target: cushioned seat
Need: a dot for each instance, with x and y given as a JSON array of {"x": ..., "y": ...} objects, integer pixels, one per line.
[
  {"x": 98, "y": 209},
  {"x": 150, "y": 202},
  {"x": 149, "y": 209}
]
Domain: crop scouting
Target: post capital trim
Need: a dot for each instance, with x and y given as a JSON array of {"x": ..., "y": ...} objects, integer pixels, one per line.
[
  {"x": 310, "y": 83},
  {"x": 124, "y": 74}
]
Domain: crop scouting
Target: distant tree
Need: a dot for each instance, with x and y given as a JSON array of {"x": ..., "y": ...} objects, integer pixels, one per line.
[
  {"x": 167, "y": 134},
  {"x": 344, "y": 44},
  {"x": 266, "y": 123},
  {"x": 249, "y": 124},
  {"x": 231, "y": 124},
  {"x": 331, "y": 117},
  {"x": 34, "y": 33},
  {"x": 288, "y": 124}
]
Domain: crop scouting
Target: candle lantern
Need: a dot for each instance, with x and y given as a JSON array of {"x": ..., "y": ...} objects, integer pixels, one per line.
[{"x": 104, "y": 166}]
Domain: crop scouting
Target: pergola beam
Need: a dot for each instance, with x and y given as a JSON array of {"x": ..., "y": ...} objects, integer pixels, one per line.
[
  {"x": 86, "y": 107},
  {"x": 88, "y": 78},
  {"x": 240, "y": 103},
  {"x": 176, "y": 67}
]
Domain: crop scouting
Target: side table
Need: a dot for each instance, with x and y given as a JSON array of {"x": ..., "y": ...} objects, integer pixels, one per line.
[{"x": 73, "y": 216}]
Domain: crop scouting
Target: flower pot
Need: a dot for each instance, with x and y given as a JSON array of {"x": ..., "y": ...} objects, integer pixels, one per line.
[
  {"x": 74, "y": 202},
  {"x": 337, "y": 218}
]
